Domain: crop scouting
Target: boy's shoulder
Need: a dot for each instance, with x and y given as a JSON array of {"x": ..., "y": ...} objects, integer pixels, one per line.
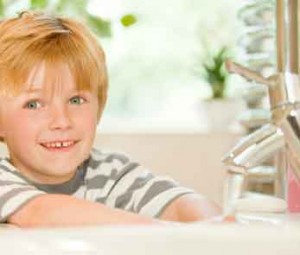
[
  {"x": 108, "y": 156},
  {"x": 107, "y": 161},
  {"x": 9, "y": 172}
]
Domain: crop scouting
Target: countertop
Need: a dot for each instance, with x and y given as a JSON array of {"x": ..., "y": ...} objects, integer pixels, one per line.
[{"x": 274, "y": 234}]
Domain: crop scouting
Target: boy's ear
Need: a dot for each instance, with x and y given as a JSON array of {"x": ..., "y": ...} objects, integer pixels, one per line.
[
  {"x": 2, "y": 128},
  {"x": 1, "y": 134}
]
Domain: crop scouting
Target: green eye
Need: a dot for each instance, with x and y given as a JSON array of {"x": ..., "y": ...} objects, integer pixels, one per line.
[
  {"x": 33, "y": 104},
  {"x": 77, "y": 100}
]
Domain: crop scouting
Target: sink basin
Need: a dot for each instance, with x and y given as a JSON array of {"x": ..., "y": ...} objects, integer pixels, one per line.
[{"x": 259, "y": 237}]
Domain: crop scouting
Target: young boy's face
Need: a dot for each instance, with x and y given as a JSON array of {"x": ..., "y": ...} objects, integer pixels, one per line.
[{"x": 49, "y": 127}]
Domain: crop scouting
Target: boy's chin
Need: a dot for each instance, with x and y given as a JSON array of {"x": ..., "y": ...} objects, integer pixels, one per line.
[
  {"x": 54, "y": 177},
  {"x": 55, "y": 171}
]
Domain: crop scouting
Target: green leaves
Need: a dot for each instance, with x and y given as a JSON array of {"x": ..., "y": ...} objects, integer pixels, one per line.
[
  {"x": 99, "y": 26},
  {"x": 71, "y": 7},
  {"x": 215, "y": 74},
  {"x": 38, "y": 4},
  {"x": 128, "y": 20},
  {"x": 1, "y": 8}
]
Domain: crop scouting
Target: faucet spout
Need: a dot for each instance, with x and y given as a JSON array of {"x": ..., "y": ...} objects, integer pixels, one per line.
[
  {"x": 255, "y": 147},
  {"x": 249, "y": 152}
]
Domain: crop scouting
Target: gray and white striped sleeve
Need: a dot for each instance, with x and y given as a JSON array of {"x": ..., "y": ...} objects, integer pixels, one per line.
[
  {"x": 138, "y": 190},
  {"x": 14, "y": 192}
]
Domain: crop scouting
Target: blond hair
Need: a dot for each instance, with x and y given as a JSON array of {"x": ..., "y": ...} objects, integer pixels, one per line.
[{"x": 33, "y": 37}]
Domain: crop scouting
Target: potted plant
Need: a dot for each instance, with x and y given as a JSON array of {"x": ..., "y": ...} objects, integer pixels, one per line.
[
  {"x": 220, "y": 109},
  {"x": 214, "y": 73}
]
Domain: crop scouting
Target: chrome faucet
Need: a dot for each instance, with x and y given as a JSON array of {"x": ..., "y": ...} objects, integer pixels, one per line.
[{"x": 282, "y": 134}]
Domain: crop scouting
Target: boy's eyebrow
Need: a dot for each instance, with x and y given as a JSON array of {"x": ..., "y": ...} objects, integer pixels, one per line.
[{"x": 31, "y": 90}]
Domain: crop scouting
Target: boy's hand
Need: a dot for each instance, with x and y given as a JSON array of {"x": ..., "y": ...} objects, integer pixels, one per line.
[{"x": 190, "y": 207}]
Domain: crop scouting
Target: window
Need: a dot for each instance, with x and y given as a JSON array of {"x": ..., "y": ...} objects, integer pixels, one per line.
[{"x": 153, "y": 64}]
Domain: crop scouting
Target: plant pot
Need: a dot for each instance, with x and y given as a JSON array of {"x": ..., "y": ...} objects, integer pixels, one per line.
[{"x": 221, "y": 114}]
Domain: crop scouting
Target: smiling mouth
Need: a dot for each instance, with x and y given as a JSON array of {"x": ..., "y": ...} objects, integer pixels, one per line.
[{"x": 59, "y": 145}]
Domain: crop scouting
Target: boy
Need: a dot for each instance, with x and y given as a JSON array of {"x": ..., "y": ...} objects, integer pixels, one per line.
[{"x": 53, "y": 87}]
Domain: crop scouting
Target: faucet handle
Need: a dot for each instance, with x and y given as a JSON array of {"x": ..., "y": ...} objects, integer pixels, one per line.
[
  {"x": 247, "y": 73},
  {"x": 281, "y": 88}
]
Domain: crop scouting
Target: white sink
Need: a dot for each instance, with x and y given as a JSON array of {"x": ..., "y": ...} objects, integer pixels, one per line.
[{"x": 278, "y": 236}]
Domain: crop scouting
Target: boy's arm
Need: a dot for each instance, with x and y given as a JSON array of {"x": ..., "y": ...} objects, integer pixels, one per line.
[
  {"x": 51, "y": 210},
  {"x": 190, "y": 207}
]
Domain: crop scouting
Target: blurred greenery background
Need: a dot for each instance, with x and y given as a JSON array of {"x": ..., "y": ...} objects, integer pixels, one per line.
[{"x": 153, "y": 49}]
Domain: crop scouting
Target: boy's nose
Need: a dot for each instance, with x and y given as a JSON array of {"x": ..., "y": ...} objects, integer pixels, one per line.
[{"x": 60, "y": 118}]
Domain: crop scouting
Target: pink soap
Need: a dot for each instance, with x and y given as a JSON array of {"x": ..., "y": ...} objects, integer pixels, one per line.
[{"x": 293, "y": 193}]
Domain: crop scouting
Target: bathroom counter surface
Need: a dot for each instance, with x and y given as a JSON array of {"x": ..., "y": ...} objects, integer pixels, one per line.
[{"x": 279, "y": 235}]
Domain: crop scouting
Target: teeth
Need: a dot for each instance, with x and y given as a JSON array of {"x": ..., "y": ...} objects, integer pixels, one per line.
[
  {"x": 58, "y": 144},
  {"x": 65, "y": 144}
]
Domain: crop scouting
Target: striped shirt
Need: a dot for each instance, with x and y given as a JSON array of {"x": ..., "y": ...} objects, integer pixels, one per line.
[{"x": 108, "y": 178}]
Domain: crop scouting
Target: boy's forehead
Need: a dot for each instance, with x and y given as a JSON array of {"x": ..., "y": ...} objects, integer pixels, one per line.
[
  {"x": 44, "y": 77},
  {"x": 51, "y": 78}
]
